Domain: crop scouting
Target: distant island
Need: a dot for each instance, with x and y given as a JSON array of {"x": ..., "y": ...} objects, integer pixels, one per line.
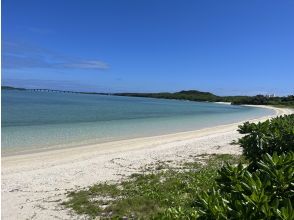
[
  {"x": 192, "y": 95},
  {"x": 11, "y": 88}
]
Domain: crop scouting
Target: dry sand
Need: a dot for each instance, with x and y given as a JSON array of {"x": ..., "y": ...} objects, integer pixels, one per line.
[{"x": 33, "y": 185}]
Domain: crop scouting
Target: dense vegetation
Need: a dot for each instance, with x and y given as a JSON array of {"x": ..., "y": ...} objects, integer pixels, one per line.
[
  {"x": 11, "y": 88},
  {"x": 261, "y": 189},
  {"x": 276, "y": 135},
  {"x": 261, "y": 186},
  {"x": 191, "y": 95},
  {"x": 194, "y": 95},
  {"x": 238, "y": 193},
  {"x": 261, "y": 100}
]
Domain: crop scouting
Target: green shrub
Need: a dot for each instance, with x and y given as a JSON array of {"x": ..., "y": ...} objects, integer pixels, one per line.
[
  {"x": 266, "y": 193},
  {"x": 240, "y": 194},
  {"x": 275, "y": 135}
]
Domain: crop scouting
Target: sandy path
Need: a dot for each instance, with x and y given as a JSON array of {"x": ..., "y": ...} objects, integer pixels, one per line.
[{"x": 34, "y": 184}]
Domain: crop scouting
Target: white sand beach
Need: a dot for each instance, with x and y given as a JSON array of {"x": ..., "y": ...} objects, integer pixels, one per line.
[{"x": 33, "y": 185}]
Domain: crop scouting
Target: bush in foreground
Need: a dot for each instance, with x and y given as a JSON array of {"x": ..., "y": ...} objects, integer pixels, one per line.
[
  {"x": 275, "y": 135},
  {"x": 240, "y": 194}
]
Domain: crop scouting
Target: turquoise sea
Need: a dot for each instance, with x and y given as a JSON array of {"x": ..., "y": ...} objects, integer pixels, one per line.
[{"x": 44, "y": 120}]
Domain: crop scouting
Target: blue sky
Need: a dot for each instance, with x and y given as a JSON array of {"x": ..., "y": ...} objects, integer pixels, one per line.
[{"x": 227, "y": 47}]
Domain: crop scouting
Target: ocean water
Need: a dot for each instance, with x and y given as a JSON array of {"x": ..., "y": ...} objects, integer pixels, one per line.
[{"x": 45, "y": 120}]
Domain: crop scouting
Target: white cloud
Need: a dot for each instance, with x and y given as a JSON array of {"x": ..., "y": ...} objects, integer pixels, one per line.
[
  {"x": 87, "y": 64},
  {"x": 19, "y": 56}
]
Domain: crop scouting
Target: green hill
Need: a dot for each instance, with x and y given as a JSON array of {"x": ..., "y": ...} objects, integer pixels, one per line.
[{"x": 192, "y": 95}]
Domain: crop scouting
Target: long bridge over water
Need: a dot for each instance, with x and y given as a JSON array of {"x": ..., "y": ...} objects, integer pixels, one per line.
[
  {"x": 65, "y": 91},
  {"x": 51, "y": 90}
]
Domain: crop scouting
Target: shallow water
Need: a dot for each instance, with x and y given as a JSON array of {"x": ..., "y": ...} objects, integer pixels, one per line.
[{"x": 41, "y": 120}]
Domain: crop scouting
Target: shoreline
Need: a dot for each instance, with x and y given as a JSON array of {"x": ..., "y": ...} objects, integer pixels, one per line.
[
  {"x": 107, "y": 144},
  {"x": 62, "y": 147},
  {"x": 33, "y": 185}
]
